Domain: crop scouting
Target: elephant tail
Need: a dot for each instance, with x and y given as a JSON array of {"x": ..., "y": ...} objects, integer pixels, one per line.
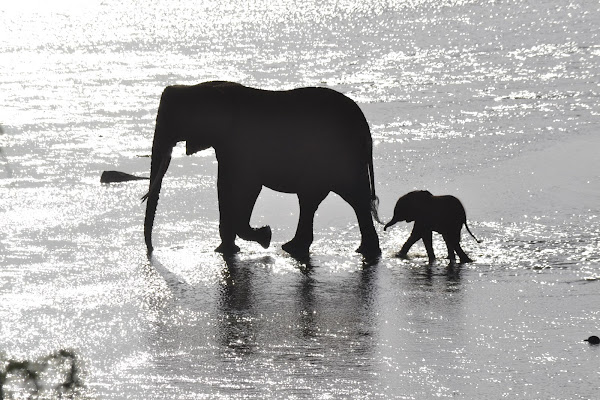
[
  {"x": 471, "y": 233},
  {"x": 375, "y": 209},
  {"x": 374, "y": 198}
]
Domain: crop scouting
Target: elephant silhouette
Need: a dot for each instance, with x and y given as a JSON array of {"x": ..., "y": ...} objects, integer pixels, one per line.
[
  {"x": 309, "y": 141},
  {"x": 442, "y": 214}
]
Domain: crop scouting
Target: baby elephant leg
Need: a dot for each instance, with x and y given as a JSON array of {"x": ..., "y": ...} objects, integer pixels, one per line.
[
  {"x": 428, "y": 242},
  {"x": 453, "y": 244},
  {"x": 464, "y": 258},
  {"x": 412, "y": 239}
]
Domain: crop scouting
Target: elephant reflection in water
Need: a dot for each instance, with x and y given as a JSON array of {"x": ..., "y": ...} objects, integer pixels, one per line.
[
  {"x": 308, "y": 141},
  {"x": 443, "y": 214},
  {"x": 237, "y": 316}
]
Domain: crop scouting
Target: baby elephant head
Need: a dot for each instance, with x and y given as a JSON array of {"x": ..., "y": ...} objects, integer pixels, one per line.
[{"x": 409, "y": 207}]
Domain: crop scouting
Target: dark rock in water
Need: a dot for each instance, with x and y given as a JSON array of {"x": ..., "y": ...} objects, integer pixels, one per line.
[
  {"x": 117, "y": 176},
  {"x": 593, "y": 340}
]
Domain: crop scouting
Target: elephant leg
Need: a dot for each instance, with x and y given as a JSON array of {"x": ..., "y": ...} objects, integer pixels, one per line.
[
  {"x": 244, "y": 200},
  {"x": 361, "y": 203},
  {"x": 428, "y": 241},
  {"x": 454, "y": 241},
  {"x": 412, "y": 239},
  {"x": 464, "y": 258},
  {"x": 300, "y": 244},
  {"x": 226, "y": 217},
  {"x": 450, "y": 244}
]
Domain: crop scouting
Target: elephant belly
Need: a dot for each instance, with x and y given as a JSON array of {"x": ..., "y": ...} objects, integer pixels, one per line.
[
  {"x": 284, "y": 181},
  {"x": 316, "y": 177}
]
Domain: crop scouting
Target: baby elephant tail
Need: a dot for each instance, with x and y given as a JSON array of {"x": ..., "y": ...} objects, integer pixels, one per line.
[{"x": 471, "y": 233}]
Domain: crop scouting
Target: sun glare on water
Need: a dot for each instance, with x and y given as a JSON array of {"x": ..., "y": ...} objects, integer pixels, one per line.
[{"x": 32, "y": 6}]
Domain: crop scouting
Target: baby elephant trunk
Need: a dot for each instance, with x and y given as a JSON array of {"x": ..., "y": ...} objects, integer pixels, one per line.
[{"x": 392, "y": 222}]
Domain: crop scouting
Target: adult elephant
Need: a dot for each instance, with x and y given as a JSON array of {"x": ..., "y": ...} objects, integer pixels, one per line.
[{"x": 308, "y": 141}]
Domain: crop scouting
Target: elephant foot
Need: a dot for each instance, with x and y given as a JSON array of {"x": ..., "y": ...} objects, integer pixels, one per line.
[
  {"x": 465, "y": 260},
  {"x": 402, "y": 255},
  {"x": 264, "y": 235},
  {"x": 295, "y": 249},
  {"x": 370, "y": 251},
  {"x": 227, "y": 249}
]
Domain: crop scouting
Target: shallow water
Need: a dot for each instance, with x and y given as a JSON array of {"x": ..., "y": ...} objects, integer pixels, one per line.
[{"x": 495, "y": 102}]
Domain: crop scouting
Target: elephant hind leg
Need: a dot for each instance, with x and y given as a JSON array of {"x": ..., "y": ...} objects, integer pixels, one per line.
[
  {"x": 360, "y": 202},
  {"x": 464, "y": 258},
  {"x": 309, "y": 202},
  {"x": 428, "y": 242},
  {"x": 453, "y": 244}
]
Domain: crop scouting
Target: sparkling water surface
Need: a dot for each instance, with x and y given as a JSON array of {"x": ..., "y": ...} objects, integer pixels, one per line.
[{"x": 495, "y": 102}]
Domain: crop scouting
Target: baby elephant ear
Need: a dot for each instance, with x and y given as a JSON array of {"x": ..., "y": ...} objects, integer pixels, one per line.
[{"x": 427, "y": 192}]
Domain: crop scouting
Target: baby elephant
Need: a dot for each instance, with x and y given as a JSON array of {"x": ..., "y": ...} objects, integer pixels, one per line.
[{"x": 443, "y": 214}]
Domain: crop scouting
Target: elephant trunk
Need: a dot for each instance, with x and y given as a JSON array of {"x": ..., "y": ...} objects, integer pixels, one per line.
[
  {"x": 160, "y": 163},
  {"x": 392, "y": 222}
]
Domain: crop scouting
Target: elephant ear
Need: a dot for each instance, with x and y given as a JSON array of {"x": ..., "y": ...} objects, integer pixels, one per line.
[
  {"x": 210, "y": 116},
  {"x": 195, "y": 145}
]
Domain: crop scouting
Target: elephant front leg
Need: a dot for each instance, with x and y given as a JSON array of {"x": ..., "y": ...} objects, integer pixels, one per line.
[
  {"x": 238, "y": 190},
  {"x": 299, "y": 246},
  {"x": 226, "y": 218},
  {"x": 415, "y": 235},
  {"x": 412, "y": 239},
  {"x": 227, "y": 245},
  {"x": 245, "y": 195},
  {"x": 428, "y": 242}
]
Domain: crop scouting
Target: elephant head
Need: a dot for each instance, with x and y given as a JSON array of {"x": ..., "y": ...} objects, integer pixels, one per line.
[
  {"x": 410, "y": 207},
  {"x": 198, "y": 115}
]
